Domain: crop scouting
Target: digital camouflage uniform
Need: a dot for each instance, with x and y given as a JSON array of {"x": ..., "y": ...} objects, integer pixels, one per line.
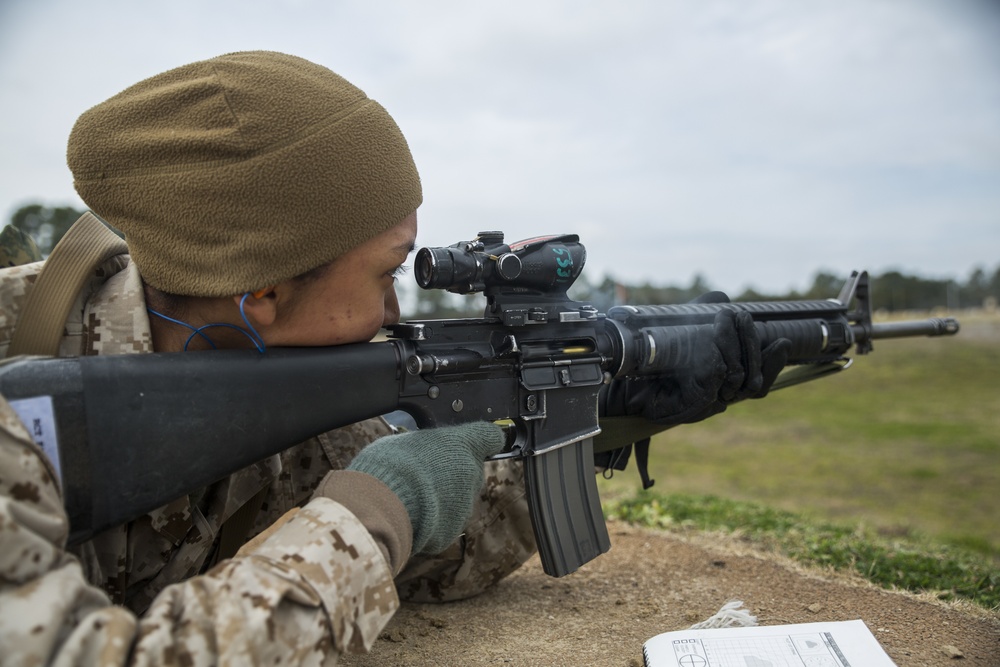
[
  {"x": 17, "y": 248},
  {"x": 288, "y": 582}
]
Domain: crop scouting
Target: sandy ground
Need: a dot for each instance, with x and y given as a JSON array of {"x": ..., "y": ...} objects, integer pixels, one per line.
[{"x": 652, "y": 582}]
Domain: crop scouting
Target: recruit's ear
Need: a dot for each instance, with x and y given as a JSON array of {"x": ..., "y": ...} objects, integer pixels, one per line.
[{"x": 261, "y": 307}]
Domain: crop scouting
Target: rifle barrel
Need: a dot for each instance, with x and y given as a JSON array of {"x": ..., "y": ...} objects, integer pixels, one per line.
[{"x": 934, "y": 326}]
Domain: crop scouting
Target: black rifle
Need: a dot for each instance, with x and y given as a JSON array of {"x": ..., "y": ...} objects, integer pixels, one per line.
[{"x": 137, "y": 431}]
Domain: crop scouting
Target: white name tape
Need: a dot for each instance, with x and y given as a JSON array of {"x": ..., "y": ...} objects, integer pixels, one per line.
[{"x": 38, "y": 416}]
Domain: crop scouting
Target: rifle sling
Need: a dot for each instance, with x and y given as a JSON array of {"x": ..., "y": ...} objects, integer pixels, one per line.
[
  {"x": 236, "y": 529},
  {"x": 88, "y": 244}
]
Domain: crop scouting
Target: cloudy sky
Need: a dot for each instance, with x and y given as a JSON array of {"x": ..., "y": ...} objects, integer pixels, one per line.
[{"x": 753, "y": 142}]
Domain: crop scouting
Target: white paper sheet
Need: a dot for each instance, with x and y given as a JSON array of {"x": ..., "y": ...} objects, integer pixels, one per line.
[{"x": 834, "y": 644}]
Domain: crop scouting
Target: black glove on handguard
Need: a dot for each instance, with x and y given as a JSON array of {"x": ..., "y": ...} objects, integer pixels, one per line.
[{"x": 731, "y": 367}]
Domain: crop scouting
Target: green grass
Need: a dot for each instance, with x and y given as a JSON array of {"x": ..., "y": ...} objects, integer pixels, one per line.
[
  {"x": 901, "y": 563},
  {"x": 906, "y": 443}
]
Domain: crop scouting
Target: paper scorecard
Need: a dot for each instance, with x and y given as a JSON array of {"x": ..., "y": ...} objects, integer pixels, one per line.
[{"x": 834, "y": 644}]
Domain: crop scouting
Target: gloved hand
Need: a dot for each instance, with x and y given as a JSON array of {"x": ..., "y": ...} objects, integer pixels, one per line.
[
  {"x": 436, "y": 473},
  {"x": 732, "y": 368}
]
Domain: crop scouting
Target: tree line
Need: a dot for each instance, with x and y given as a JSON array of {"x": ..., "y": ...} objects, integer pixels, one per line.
[{"x": 891, "y": 291}]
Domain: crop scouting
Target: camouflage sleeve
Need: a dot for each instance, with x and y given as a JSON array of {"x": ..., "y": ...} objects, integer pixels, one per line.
[
  {"x": 17, "y": 247},
  {"x": 497, "y": 540},
  {"x": 277, "y": 604},
  {"x": 316, "y": 587}
]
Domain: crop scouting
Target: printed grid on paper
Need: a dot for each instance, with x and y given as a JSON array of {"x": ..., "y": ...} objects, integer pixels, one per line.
[{"x": 776, "y": 651}]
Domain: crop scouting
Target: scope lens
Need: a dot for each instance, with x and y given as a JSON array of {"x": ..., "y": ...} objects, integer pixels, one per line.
[
  {"x": 451, "y": 269},
  {"x": 424, "y": 268}
]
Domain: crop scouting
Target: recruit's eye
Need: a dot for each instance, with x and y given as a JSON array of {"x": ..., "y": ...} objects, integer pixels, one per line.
[{"x": 399, "y": 271}]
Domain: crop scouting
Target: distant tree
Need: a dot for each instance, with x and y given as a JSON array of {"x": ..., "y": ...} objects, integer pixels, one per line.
[
  {"x": 583, "y": 290},
  {"x": 45, "y": 224},
  {"x": 895, "y": 291},
  {"x": 975, "y": 290},
  {"x": 698, "y": 287},
  {"x": 825, "y": 286},
  {"x": 648, "y": 294},
  {"x": 435, "y": 304},
  {"x": 603, "y": 296},
  {"x": 750, "y": 294}
]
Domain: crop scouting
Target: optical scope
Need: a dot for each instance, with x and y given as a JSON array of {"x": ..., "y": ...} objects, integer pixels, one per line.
[{"x": 540, "y": 265}]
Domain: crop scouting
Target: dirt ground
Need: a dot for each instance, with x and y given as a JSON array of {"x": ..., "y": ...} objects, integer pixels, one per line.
[{"x": 652, "y": 582}]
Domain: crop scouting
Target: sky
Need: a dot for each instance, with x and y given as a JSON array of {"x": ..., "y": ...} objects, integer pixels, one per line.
[{"x": 750, "y": 142}]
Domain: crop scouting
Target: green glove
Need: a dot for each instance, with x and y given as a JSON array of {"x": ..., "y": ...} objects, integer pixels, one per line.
[{"x": 436, "y": 473}]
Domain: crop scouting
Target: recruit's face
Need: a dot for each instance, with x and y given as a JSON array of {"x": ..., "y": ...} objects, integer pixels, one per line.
[{"x": 349, "y": 300}]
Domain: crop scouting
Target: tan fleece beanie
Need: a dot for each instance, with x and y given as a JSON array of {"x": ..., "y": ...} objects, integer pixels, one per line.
[{"x": 235, "y": 173}]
